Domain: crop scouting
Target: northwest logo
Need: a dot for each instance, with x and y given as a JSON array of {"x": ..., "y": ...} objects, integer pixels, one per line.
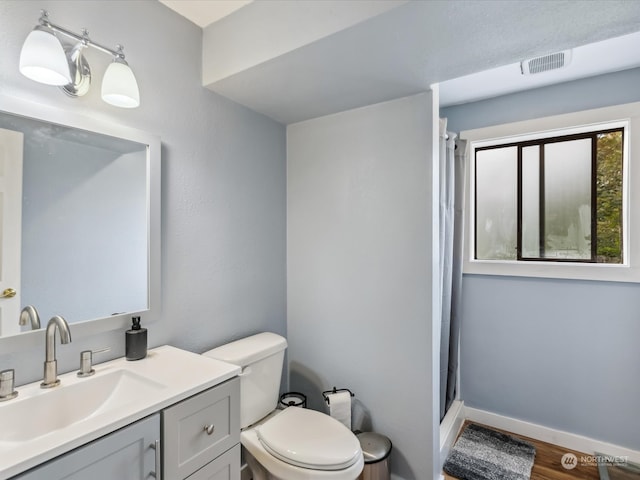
[{"x": 569, "y": 461}]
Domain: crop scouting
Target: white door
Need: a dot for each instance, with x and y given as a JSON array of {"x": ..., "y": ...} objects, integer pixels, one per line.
[{"x": 10, "y": 229}]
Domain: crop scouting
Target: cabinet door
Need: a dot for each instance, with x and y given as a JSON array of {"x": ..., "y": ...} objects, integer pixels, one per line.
[
  {"x": 199, "y": 429},
  {"x": 126, "y": 454},
  {"x": 225, "y": 467}
]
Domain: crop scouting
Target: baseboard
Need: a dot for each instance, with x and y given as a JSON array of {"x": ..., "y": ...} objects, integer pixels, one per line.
[
  {"x": 450, "y": 427},
  {"x": 557, "y": 437}
]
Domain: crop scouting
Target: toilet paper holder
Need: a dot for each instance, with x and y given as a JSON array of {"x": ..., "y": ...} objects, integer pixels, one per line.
[{"x": 325, "y": 393}]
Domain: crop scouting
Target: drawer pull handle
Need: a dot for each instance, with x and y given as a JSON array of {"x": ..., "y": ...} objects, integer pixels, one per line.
[
  {"x": 156, "y": 447},
  {"x": 209, "y": 429}
]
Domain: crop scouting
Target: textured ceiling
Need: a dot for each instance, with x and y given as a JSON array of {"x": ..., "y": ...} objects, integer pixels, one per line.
[
  {"x": 405, "y": 50},
  {"x": 611, "y": 55}
]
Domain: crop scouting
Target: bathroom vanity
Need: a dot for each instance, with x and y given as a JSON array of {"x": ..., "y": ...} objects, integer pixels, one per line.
[{"x": 172, "y": 415}]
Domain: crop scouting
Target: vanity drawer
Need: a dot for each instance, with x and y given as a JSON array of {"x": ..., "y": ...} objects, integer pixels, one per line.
[
  {"x": 225, "y": 467},
  {"x": 200, "y": 428}
]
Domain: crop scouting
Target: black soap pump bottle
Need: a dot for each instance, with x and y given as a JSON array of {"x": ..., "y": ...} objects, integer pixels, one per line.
[{"x": 136, "y": 341}]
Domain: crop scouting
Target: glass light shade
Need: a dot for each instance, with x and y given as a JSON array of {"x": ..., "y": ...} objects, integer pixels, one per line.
[
  {"x": 119, "y": 86},
  {"x": 43, "y": 59}
]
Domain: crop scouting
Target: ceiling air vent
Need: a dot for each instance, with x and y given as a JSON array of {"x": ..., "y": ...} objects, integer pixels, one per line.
[{"x": 545, "y": 63}]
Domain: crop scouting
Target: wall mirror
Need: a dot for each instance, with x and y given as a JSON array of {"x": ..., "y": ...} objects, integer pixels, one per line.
[{"x": 79, "y": 221}]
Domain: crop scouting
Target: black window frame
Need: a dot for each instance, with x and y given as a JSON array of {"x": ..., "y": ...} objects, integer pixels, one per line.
[{"x": 541, "y": 142}]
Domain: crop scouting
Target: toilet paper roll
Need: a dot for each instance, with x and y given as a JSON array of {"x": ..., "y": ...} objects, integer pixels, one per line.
[{"x": 340, "y": 407}]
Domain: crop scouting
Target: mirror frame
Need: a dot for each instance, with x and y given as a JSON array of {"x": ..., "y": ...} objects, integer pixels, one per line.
[{"x": 49, "y": 114}]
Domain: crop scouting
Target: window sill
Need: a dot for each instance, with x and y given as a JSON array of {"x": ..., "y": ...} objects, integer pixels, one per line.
[{"x": 574, "y": 271}]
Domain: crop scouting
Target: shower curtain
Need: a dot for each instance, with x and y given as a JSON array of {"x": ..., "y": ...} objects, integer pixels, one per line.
[{"x": 452, "y": 175}]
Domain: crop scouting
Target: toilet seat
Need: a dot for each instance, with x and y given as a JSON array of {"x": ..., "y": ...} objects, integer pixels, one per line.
[{"x": 309, "y": 439}]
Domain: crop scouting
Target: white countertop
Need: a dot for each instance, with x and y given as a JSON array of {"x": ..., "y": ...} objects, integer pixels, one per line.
[{"x": 179, "y": 374}]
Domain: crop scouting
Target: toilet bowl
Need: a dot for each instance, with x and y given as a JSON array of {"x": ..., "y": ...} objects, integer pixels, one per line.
[
  {"x": 290, "y": 444},
  {"x": 300, "y": 444}
]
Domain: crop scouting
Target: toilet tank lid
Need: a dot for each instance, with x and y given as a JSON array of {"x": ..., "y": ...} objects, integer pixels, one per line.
[{"x": 248, "y": 350}]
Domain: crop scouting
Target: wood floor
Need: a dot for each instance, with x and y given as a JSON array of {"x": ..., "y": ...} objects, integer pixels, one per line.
[{"x": 547, "y": 463}]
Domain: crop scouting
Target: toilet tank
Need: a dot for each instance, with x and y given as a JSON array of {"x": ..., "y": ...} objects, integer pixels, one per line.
[{"x": 261, "y": 357}]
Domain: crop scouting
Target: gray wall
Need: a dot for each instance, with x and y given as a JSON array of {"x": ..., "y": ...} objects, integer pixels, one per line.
[
  {"x": 223, "y": 178},
  {"x": 559, "y": 353},
  {"x": 360, "y": 271},
  {"x": 595, "y": 92}
]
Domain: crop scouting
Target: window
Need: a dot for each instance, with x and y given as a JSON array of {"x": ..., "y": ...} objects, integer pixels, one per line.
[
  {"x": 556, "y": 197},
  {"x": 551, "y": 199}
]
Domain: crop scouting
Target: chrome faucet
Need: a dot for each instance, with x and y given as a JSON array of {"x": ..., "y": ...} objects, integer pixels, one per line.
[
  {"x": 30, "y": 314},
  {"x": 50, "y": 364}
]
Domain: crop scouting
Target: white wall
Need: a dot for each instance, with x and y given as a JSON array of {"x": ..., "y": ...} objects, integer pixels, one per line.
[
  {"x": 223, "y": 177},
  {"x": 359, "y": 270},
  {"x": 559, "y": 353}
]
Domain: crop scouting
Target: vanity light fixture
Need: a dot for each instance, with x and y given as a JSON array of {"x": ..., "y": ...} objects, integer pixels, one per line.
[
  {"x": 46, "y": 59},
  {"x": 43, "y": 59}
]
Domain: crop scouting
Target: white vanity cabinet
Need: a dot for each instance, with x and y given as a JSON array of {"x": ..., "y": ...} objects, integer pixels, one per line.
[
  {"x": 201, "y": 435},
  {"x": 126, "y": 454}
]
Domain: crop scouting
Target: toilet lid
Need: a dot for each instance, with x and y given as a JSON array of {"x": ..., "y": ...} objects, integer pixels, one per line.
[{"x": 309, "y": 439}]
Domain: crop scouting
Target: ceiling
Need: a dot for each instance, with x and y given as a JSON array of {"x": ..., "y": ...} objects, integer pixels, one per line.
[
  {"x": 205, "y": 12},
  {"x": 611, "y": 55},
  {"x": 472, "y": 48}
]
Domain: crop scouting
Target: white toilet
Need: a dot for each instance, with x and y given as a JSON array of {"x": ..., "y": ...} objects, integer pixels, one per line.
[{"x": 290, "y": 444}]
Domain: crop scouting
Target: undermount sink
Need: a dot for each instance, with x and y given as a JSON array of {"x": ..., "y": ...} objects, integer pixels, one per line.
[{"x": 43, "y": 412}]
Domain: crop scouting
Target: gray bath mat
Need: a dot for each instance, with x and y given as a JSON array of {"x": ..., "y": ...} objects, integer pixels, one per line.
[{"x": 484, "y": 454}]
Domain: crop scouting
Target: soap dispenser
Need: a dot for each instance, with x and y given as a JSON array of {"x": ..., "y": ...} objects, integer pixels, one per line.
[{"x": 136, "y": 341}]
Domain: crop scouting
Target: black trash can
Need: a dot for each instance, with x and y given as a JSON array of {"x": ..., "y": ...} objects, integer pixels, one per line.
[{"x": 376, "y": 449}]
